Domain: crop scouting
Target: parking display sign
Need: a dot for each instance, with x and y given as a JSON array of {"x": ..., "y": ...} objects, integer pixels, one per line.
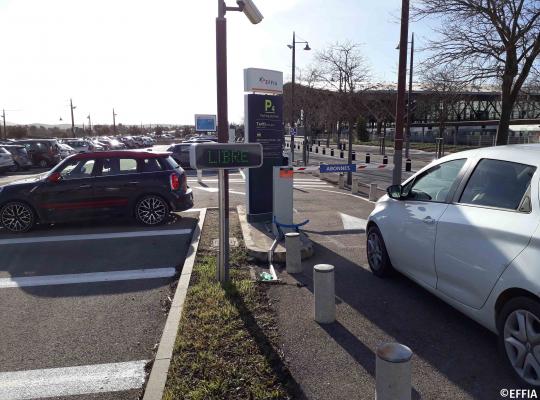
[
  {"x": 205, "y": 123},
  {"x": 337, "y": 168}
]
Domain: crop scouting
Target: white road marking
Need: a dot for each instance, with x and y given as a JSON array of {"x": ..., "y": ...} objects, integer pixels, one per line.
[
  {"x": 352, "y": 223},
  {"x": 345, "y": 194},
  {"x": 215, "y": 190},
  {"x": 215, "y": 180},
  {"x": 68, "y": 279},
  {"x": 95, "y": 236},
  {"x": 243, "y": 175},
  {"x": 193, "y": 210},
  {"x": 70, "y": 381}
]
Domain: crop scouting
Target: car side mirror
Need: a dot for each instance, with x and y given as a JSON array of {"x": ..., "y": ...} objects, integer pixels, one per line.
[
  {"x": 395, "y": 192},
  {"x": 55, "y": 177}
]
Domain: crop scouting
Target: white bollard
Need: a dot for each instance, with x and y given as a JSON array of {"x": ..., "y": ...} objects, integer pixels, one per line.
[
  {"x": 393, "y": 372},
  {"x": 325, "y": 293},
  {"x": 373, "y": 195},
  {"x": 341, "y": 181},
  {"x": 292, "y": 254},
  {"x": 355, "y": 187},
  {"x": 199, "y": 175}
]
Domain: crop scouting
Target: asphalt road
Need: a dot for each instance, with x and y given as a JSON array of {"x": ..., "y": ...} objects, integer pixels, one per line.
[{"x": 83, "y": 305}]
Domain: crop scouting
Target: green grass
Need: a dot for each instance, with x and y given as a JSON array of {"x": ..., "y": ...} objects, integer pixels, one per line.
[{"x": 224, "y": 346}]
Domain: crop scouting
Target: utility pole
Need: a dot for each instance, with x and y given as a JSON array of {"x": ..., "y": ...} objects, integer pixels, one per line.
[
  {"x": 409, "y": 101},
  {"x": 4, "y": 118},
  {"x": 72, "y": 107},
  {"x": 400, "y": 104},
  {"x": 114, "y": 121}
]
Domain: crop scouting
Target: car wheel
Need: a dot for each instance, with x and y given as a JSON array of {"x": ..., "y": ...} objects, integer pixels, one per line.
[
  {"x": 17, "y": 217},
  {"x": 43, "y": 164},
  {"x": 377, "y": 256},
  {"x": 151, "y": 210},
  {"x": 518, "y": 324},
  {"x": 14, "y": 168}
]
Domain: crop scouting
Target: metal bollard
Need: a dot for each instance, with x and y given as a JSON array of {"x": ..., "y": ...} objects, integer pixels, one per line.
[
  {"x": 373, "y": 192},
  {"x": 393, "y": 372},
  {"x": 341, "y": 154},
  {"x": 317, "y": 149},
  {"x": 318, "y": 142},
  {"x": 344, "y": 146},
  {"x": 311, "y": 149},
  {"x": 199, "y": 175},
  {"x": 324, "y": 151},
  {"x": 332, "y": 152},
  {"x": 355, "y": 186},
  {"x": 292, "y": 253},
  {"x": 325, "y": 293},
  {"x": 385, "y": 160},
  {"x": 353, "y": 155},
  {"x": 368, "y": 158},
  {"x": 408, "y": 165},
  {"x": 341, "y": 181}
]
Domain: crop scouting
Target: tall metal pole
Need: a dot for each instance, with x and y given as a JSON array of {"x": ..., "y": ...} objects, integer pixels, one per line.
[
  {"x": 90, "y": 124},
  {"x": 400, "y": 104},
  {"x": 4, "y": 118},
  {"x": 72, "y": 119},
  {"x": 409, "y": 100},
  {"x": 114, "y": 121},
  {"x": 222, "y": 273},
  {"x": 292, "y": 91}
]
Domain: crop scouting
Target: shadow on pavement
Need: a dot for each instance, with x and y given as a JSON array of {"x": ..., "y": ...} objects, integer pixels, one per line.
[{"x": 454, "y": 345}]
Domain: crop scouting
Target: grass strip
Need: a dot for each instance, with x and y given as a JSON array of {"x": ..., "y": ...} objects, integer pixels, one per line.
[{"x": 224, "y": 348}]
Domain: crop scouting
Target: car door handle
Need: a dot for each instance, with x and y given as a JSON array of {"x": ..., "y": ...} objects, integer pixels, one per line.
[
  {"x": 428, "y": 220},
  {"x": 85, "y": 186}
]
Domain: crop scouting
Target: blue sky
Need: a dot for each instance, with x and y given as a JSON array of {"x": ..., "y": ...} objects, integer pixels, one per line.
[{"x": 155, "y": 61}]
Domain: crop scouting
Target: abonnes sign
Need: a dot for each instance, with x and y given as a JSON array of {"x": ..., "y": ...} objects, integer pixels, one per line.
[{"x": 225, "y": 155}]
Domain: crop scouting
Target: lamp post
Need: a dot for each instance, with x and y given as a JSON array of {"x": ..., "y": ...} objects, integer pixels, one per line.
[
  {"x": 114, "y": 121},
  {"x": 90, "y": 124},
  {"x": 293, "y": 48},
  {"x": 4, "y": 118},
  {"x": 400, "y": 104},
  {"x": 247, "y": 6},
  {"x": 72, "y": 107}
]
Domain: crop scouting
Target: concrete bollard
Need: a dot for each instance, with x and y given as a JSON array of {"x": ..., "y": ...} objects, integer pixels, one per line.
[
  {"x": 355, "y": 186},
  {"x": 292, "y": 254},
  {"x": 393, "y": 372},
  {"x": 368, "y": 158},
  {"x": 341, "y": 181},
  {"x": 199, "y": 175},
  {"x": 325, "y": 293},
  {"x": 373, "y": 195}
]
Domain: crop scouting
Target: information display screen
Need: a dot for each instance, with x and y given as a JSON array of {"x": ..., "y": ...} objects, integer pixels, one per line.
[{"x": 225, "y": 155}]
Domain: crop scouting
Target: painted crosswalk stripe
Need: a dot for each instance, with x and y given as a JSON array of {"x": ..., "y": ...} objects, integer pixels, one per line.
[
  {"x": 87, "y": 277},
  {"x": 70, "y": 381},
  {"x": 95, "y": 236}
]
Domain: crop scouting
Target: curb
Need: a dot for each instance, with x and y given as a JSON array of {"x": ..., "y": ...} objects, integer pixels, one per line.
[
  {"x": 261, "y": 254},
  {"x": 155, "y": 385}
]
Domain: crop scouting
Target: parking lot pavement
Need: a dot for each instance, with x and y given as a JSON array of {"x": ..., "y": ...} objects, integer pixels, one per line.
[
  {"x": 84, "y": 305},
  {"x": 454, "y": 358}
]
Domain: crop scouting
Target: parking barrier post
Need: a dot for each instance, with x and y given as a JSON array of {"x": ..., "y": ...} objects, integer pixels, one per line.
[
  {"x": 373, "y": 192},
  {"x": 341, "y": 181},
  {"x": 292, "y": 254},
  {"x": 368, "y": 158},
  {"x": 393, "y": 372},
  {"x": 324, "y": 291},
  {"x": 355, "y": 186},
  {"x": 408, "y": 165},
  {"x": 199, "y": 175}
]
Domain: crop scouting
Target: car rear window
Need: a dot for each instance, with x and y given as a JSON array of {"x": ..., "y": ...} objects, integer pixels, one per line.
[
  {"x": 151, "y": 165},
  {"x": 497, "y": 183},
  {"x": 118, "y": 166}
]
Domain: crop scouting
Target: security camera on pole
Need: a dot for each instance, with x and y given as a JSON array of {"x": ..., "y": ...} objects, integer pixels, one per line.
[{"x": 253, "y": 14}]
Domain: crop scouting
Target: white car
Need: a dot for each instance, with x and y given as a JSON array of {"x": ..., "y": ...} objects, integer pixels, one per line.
[
  {"x": 81, "y": 146},
  {"x": 6, "y": 160},
  {"x": 466, "y": 228}
]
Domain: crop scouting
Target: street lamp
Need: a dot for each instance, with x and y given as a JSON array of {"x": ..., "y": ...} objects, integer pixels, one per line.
[
  {"x": 114, "y": 121},
  {"x": 293, "y": 48},
  {"x": 253, "y": 14},
  {"x": 72, "y": 107},
  {"x": 90, "y": 124}
]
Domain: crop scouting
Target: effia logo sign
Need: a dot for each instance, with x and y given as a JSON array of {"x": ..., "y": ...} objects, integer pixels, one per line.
[
  {"x": 258, "y": 80},
  {"x": 268, "y": 82}
]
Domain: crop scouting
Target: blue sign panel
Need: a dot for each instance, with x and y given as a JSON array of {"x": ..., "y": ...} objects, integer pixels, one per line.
[
  {"x": 338, "y": 168},
  {"x": 205, "y": 123}
]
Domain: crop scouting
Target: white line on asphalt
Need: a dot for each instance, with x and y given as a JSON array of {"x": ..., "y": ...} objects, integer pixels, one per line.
[
  {"x": 243, "y": 175},
  {"x": 95, "y": 236},
  {"x": 68, "y": 279},
  {"x": 215, "y": 180},
  {"x": 215, "y": 190},
  {"x": 70, "y": 381},
  {"x": 351, "y": 222},
  {"x": 345, "y": 194},
  {"x": 193, "y": 210}
]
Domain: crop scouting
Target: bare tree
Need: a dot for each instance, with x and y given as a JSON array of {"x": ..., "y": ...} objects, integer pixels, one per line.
[
  {"x": 492, "y": 40},
  {"x": 343, "y": 69}
]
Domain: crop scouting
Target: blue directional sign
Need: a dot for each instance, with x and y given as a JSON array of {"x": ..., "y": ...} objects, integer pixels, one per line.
[{"x": 337, "y": 168}]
